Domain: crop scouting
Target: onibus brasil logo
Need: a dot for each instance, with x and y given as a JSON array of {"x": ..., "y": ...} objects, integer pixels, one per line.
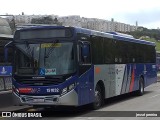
[{"x": 13, "y": 114}]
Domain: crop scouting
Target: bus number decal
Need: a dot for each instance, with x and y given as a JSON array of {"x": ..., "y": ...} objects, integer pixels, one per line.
[{"x": 53, "y": 90}]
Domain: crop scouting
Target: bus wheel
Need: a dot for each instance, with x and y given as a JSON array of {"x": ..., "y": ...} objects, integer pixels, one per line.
[
  {"x": 140, "y": 92},
  {"x": 98, "y": 98}
]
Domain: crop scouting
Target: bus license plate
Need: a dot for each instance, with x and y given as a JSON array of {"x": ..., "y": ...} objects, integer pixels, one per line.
[{"x": 38, "y": 100}]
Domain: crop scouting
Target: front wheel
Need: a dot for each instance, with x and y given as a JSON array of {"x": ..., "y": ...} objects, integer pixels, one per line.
[{"x": 98, "y": 98}]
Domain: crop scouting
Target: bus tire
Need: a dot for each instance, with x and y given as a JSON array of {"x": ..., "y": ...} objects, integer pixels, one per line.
[
  {"x": 140, "y": 91},
  {"x": 98, "y": 98}
]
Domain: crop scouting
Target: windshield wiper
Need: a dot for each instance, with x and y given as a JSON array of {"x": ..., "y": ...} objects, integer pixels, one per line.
[
  {"x": 31, "y": 55},
  {"x": 31, "y": 52},
  {"x": 51, "y": 49},
  {"x": 46, "y": 55}
]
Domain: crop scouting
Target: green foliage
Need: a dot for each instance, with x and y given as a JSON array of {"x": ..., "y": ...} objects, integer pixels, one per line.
[
  {"x": 45, "y": 20},
  {"x": 153, "y": 34},
  {"x": 156, "y": 41}
]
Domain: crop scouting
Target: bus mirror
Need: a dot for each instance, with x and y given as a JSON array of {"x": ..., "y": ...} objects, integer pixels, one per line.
[{"x": 85, "y": 50}]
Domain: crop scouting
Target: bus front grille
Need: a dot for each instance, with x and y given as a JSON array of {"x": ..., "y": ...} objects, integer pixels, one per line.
[{"x": 44, "y": 82}]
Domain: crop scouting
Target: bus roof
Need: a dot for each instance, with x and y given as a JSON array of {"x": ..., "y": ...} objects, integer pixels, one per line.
[
  {"x": 38, "y": 26},
  {"x": 114, "y": 35},
  {"x": 121, "y": 37}
]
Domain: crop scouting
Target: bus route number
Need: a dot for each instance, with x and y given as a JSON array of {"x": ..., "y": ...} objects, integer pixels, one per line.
[{"x": 53, "y": 90}]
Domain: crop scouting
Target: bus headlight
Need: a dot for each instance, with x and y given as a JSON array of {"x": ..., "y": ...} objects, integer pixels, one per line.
[
  {"x": 71, "y": 87},
  {"x": 64, "y": 91},
  {"x": 67, "y": 89}
]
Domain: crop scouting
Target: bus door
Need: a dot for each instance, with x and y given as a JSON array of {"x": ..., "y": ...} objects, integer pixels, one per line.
[{"x": 85, "y": 73}]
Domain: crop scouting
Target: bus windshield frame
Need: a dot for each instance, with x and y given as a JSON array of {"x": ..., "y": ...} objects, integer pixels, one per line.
[
  {"x": 39, "y": 52},
  {"x": 33, "y": 58}
]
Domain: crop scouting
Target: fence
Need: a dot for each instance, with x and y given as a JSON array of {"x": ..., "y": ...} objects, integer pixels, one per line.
[{"x": 5, "y": 83}]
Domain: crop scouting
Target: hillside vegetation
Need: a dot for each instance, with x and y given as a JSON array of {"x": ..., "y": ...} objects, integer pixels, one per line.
[
  {"x": 152, "y": 35},
  {"x": 157, "y": 43}
]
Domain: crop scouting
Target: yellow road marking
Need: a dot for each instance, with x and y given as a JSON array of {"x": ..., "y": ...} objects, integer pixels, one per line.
[
  {"x": 31, "y": 110},
  {"x": 1, "y": 117}
]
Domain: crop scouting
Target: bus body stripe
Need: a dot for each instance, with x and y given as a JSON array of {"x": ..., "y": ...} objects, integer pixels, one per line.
[
  {"x": 124, "y": 84},
  {"x": 128, "y": 79},
  {"x": 132, "y": 80}
]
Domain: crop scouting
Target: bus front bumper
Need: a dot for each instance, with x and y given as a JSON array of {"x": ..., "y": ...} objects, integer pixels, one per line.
[{"x": 69, "y": 99}]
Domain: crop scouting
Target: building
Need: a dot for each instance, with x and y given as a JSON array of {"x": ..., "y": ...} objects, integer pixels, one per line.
[{"x": 77, "y": 21}]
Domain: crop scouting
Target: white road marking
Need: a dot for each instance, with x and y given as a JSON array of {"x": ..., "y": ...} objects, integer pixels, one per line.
[
  {"x": 155, "y": 96},
  {"x": 4, "y": 92}
]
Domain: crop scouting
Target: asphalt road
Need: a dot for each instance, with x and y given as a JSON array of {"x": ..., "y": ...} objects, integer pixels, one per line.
[
  {"x": 6, "y": 99},
  {"x": 124, "y": 107}
]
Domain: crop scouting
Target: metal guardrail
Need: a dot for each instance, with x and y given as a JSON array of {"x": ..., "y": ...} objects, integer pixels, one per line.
[{"x": 5, "y": 83}]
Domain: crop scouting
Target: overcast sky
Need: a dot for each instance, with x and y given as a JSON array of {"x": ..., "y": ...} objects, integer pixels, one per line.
[{"x": 146, "y": 12}]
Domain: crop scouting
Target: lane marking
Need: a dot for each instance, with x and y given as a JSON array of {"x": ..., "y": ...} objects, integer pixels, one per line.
[
  {"x": 31, "y": 110},
  {"x": 155, "y": 96},
  {"x": 1, "y": 117},
  {"x": 35, "y": 109},
  {"x": 5, "y": 92}
]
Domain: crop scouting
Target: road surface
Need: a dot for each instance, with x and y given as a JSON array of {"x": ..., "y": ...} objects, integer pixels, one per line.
[{"x": 125, "y": 107}]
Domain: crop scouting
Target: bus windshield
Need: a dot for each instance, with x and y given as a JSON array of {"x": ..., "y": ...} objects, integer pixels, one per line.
[{"x": 45, "y": 58}]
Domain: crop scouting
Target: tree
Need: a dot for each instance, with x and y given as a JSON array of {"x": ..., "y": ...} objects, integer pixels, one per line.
[
  {"x": 45, "y": 20},
  {"x": 152, "y": 33}
]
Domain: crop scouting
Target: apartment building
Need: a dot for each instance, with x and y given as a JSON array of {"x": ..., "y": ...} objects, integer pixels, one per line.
[{"x": 77, "y": 21}]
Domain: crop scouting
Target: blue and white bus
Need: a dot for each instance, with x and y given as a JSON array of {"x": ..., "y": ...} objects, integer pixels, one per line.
[{"x": 70, "y": 66}]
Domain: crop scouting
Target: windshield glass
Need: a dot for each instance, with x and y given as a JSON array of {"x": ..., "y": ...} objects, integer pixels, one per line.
[{"x": 45, "y": 58}]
